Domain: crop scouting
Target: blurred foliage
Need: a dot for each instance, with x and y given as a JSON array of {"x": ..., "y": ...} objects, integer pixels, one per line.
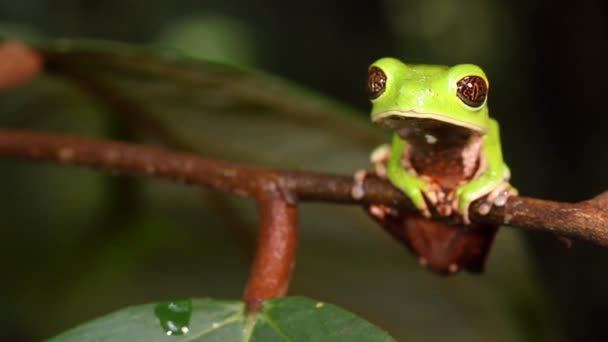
[
  {"x": 78, "y": 243},
  {"x": 211, "y": 37}
]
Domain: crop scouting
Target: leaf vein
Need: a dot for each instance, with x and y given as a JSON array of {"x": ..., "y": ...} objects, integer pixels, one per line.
[
  {"x": 276, "y": 326},
  {"x": 228, "y": 320}
]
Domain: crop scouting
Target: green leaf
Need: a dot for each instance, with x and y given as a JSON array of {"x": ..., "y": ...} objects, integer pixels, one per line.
[
  {"x": 218, "y": 109},
  {"x": 281, "y": 319}
]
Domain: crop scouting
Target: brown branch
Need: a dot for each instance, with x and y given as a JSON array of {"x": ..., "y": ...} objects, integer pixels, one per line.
[
  {"x": 277, "y": 192},
  {"x": 276, "y": 251},
  {"x": 587, "y": 220}
]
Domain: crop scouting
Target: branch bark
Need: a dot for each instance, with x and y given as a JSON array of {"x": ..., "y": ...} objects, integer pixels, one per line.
[
  {"x": 278, "y": 191},
  {"x": 587, "y": 220},
  {"x": 276, "y": 251}
]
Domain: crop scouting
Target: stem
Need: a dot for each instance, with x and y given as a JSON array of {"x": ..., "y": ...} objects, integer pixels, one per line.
[{"x": 276, "y": 251}]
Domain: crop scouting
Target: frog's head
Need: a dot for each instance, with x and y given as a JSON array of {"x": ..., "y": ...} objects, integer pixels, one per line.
[{"x": 404, "y": 94}]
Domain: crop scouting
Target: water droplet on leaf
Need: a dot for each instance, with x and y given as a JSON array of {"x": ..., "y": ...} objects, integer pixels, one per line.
[{"x": 174, "y": 316}]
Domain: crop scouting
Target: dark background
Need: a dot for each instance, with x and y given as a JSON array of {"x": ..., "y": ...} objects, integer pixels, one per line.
[{"x": 546, "y": 63}]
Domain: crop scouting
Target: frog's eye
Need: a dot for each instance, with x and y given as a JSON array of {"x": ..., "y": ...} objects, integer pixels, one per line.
[
  {"x": 472, "y": 90},
  {"x": 376, "y": 82}
]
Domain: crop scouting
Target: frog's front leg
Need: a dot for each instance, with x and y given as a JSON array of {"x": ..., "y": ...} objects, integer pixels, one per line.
[
  {"x": 499, "y": 195},
  {"x": 492, "y": 183},
  {"x": 388, "y": 163},
  {"x": 379, "y": 159},
  {"x": 414, "y": 187}
]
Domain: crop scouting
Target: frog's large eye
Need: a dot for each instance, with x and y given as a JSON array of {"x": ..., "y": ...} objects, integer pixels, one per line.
[
  {"x": 376, "y": 82},
  {"x": 472, "y": 90}
]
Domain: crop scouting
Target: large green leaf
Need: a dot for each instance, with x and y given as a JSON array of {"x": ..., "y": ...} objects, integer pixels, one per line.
[
  {"x": 222, "y": 110},
  {"x": 282, "y": 319}
]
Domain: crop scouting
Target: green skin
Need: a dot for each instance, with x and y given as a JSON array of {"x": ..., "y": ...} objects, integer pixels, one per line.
[{"x": 429, "y": 92}]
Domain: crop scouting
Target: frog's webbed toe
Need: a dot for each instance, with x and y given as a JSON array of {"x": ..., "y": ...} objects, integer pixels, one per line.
[
  {"x": 357, "y": 191},
  {"x": 494, "y": 196},
  {"x": 497, "y": 197}
]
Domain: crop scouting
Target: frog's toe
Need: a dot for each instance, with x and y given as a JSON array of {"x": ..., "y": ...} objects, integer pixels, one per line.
[
  {"x": 425, "y": 212},
  {"x": 501, "y": 199},
  {"x": 420, "y": 203},
  {"x": 357, "y": 191},
  {"x": 462, "y": 205},
  {"x": 497, "y": 197},
  {"x": 444, "y": 210},
  {"x": 381, "y": 154},
  {"x": 501, "y": 194},
  {"x": 380, "y": 211},
  {"x": 484, "y": 208},
  {"x": 379, "y": 158},
  {"x": 432, "y": 196},
  {"x": 417, "y": 197},
  {"x": 464, "y": 213},
  {"x": 360, "y": 176},
  {"x": 439, "y": 200},
  {"x": 380, "y": 170},
  {"x": 433, "y": 192}
]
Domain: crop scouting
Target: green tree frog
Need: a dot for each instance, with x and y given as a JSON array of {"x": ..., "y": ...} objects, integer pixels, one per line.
[{"x": 445, "y": 154}]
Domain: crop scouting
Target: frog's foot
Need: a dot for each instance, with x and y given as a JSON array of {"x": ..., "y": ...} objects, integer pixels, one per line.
[
  {"x": 436, "y": 197},
  {"x": 440, "y": 200},
  {"x": 381, "y": 211},
  {"x": 357, "y": 191},
  {"x": 498, "y": 197},
  {"x": 379, "y": 158},
  {"x": 424, "y": 210}
]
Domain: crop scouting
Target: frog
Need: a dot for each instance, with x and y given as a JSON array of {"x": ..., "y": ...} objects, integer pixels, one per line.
[{"x": 444, "y": 155}]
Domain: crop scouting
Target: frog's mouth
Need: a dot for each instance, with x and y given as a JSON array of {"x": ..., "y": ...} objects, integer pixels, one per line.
[{"x": 403, "y": 119}]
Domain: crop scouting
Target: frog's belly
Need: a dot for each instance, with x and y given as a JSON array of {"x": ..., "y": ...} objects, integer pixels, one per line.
[
  {"x": 448, "y": 155},
  {"x": 446, "y": 166}
]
